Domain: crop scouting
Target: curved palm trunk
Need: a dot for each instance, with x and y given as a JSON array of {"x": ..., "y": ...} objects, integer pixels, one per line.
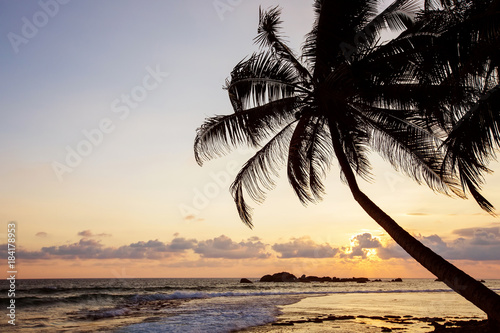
[{"x": 474, "y": 291}]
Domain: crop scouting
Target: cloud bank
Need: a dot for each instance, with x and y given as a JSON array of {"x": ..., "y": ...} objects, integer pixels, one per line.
[
  {"x": 475, "y": 244},
  {"x": 304, "y": 247}
]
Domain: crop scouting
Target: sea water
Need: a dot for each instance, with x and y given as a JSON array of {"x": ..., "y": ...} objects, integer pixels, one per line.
[{"x": 209, "y": 305}]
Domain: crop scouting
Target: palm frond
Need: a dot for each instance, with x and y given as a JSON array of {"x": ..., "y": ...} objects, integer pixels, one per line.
[
  {"x": 431, "y": 5},
  {"x": 410, "y": 148},
  {"x": 219, "y": 134},
  {"x": 310, "y": 157},
  {"x": 355, "y": 142},
  {"x": 320, "y": 157},
  {"x": 257, "y": 175},
  {"x": 465, "y": 39},
  {"x": 436, "y": 101},
  {"x": 261, "y": 79},
  {"x": 471, "y": 144},
  {"x": 298, "y": 167},
  {"x": 269, "y": 35},
  {"x": 400, "y": 14},
  {"x": 309, "y": 48},
  {"x": 397, "y": 16}
]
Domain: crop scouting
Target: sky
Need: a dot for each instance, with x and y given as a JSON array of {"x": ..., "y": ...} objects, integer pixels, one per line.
[{"x": 100, "y": 102}]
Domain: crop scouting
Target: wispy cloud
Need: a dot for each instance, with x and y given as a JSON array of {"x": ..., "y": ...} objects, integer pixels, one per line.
[{"x": 89, "y": 234}]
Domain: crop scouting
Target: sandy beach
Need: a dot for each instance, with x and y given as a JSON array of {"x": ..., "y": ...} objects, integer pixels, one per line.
[
  {"x": 378, "y": 313},
  {"x": 345, "y": 324}
]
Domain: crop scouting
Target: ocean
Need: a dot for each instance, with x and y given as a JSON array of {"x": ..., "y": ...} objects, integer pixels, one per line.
[{"x": 213, "y": 305}]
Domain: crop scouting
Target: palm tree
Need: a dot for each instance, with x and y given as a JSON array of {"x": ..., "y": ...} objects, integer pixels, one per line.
[{"x": 348, "y": 94}]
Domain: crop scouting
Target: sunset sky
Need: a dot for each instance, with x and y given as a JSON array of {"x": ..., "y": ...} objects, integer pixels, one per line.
[{"x": 100, "y": 101}]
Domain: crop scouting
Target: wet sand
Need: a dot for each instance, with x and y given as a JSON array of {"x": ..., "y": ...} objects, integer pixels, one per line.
[
  {"x": 349, "y": 324},
  {"x": 385, "y": 313}
]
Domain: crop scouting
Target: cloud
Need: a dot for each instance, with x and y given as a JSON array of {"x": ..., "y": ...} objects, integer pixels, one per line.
[
  {"x": 304, "y": 247},
  {"x": 472, "y": 244},
  {"x": 193, "y": 218},
  {"x": 89, "y": 248},
  {"x": 224, "y": 247},
  {"x": 361, "y": 244},
  {"x": 181, "y": 244},
  {"x": 85, "y": 233},
  {"x": 482, "y": 245},
  {"x": 89, "y": 234},
  {"x": 392, "y": 250},
  {"x": 41, "y": 234},
  {"x": 85, "y": 248},
  {"x": 470, "y": 232},
  {"x": 92, "y": 249},
  {"x": 478, "y": 244}
]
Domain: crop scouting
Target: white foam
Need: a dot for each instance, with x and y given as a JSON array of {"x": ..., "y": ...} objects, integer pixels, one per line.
[
  {"x": 198, "y": 295},
  {"x": 215, "y": 315},
  {"x": 108, "y": 313}
]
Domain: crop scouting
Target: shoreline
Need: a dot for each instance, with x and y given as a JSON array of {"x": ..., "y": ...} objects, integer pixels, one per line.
[
  {"x": 369, "y": 324},
  {"x": 365, "y": 313}
]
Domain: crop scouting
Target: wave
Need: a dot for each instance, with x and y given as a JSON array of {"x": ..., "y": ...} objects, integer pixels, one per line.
[
  {"x": 58, "y": 290},
  {"x": 139, "y": 296},
  {"x": 75, "y": 299},
  {"x": 199, "y": 295},
  {"x": 107, "y": 313}
]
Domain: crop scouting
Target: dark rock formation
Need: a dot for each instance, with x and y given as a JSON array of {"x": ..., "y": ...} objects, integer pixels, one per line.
[
  {"x": 397, "y": 280},
  {"x": 266, "y": 278},
  {"x": 245, "y": 281},
  {"x": 288, "y": 277},
  {"x": 286, "y": 323},
  {"x": 304, "y": 278},
  {"x": 279, "y": 277}
]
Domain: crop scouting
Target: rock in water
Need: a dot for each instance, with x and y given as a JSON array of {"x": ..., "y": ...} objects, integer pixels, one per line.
[
  {"x": 266, "y": 278},
  {"x": 245, "y": 281},
  {"x": 279, "y": 277}
]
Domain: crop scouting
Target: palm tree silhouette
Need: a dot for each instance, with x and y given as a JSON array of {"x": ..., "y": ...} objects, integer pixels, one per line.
[{"x": 348, "y": 94}]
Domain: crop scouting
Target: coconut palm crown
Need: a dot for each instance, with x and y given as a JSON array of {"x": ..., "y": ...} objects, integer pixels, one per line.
[{"x": 350, "y": 94}]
